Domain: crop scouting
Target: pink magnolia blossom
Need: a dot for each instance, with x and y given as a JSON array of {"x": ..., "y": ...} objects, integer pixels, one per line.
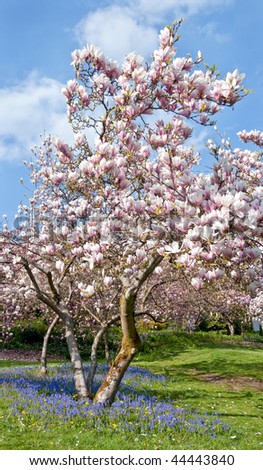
[{"x": 117, "y": 204}]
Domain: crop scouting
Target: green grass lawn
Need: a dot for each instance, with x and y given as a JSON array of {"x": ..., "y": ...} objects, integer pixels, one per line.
[
  {"x": 214, "y": 374},
  {"x": 205, "y": 372}
]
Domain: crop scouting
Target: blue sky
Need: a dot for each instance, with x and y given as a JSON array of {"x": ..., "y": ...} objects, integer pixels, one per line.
[{"x": 38, "y": 36}]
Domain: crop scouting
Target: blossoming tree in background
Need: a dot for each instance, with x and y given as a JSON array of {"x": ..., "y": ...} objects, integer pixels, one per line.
[
  {"x": 256, "y": 310},
  {"x": 129, "y": 193},
  {"x": 37, "y": 280},
  {"x": 35, "y": 283},
  {"x": 172, "y": 300}
]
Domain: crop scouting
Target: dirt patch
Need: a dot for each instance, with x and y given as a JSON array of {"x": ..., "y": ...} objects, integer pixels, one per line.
[
  {"x": 23, "y": 356},
  {"x": 234, "y": 383}
]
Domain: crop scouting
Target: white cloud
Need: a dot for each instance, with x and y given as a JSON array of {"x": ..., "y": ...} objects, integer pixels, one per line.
[
  {"x": 158, "y": 9},
  {"x": 199, "y": 138},
  {"x": 117, "y": 31},
  {"x": 28, "y": 109},
  {"x": 210, "y": 30},
  {"x": 36, "y": 105},
  {"x": 134, "y": 25},
  {"x": 191, "y": 5}
]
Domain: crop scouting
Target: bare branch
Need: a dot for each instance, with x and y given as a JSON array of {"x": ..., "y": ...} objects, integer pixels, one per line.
[
  {"x": 65, "y": 271},
  {"x": 41, "y": 295},
  {"x": 54, "y": 291}
]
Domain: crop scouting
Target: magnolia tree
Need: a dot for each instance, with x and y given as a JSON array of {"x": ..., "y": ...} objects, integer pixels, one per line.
[
  {"x": 231, "y": 306},
  {"x": 128, "y": 194},
  {"x": 35, "y": 279},
  {"x": 228, "y": 304},
  {"x": 170, "y": 297},
  {"x": 256, "y": 307},
  {"x": 34, "y": 286}
]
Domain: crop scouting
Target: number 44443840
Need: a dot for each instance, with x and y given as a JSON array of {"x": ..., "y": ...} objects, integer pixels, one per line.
[{"x": 203, "y": 459}]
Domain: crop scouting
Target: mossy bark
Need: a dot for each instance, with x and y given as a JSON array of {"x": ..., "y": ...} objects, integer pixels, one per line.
[{"x": 129, "y": 347}]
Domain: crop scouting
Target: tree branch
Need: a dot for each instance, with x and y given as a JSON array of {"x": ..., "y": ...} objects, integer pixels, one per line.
[
  {"x": 54, "y": 291},
  {"x": 40, "y": 295},
  {"x": 65, "y": 271}
]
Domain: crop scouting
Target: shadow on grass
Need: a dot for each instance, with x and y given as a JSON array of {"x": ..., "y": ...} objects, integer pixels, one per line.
[
  {"x": 194, "y": 398},
  {"x": 201, "y": 338},
  {"x": 223, "y": 368},
  {"x": 166, "y": 345}
]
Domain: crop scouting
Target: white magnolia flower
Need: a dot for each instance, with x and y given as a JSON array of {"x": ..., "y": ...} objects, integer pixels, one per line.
[
  {"x": 173, "y": 248},
  {"x": 88, "y": 291}
]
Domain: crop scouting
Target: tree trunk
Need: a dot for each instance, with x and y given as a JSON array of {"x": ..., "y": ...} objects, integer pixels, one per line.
[
  {"x": 130, "y": 344},
  {"x": 107, "y": 348},
  {"x": 58, "y": 306},
  {"x": 231, "y": 329},
  {"x": 78, "y": 371},
  {"x": 94, "y": 349},
  {"x": 129, "y": 347},
  {"x": 93, "y": 356},
  {"x": 43, "y": 359}
]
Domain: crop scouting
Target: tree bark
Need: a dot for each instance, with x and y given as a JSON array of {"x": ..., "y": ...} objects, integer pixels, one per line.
[
  {"x": 78, "y": 371},
  {"x": 131, "y": 342},
  {"x": 94, "y": 349},
  {"x": 61, "y": 309},
  {"x": 107, "y": 347},
  {"x": 231, "y": 328},
  {"x": 93, "y": 357},
  {"x": 129, "y": 347},
  {"x": 43, "y": 359}
]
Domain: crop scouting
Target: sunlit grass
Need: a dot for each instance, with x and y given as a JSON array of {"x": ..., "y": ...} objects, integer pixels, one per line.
[
  {"x": 214, "y": 374},
  {"x": 175, "y": 406}
]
